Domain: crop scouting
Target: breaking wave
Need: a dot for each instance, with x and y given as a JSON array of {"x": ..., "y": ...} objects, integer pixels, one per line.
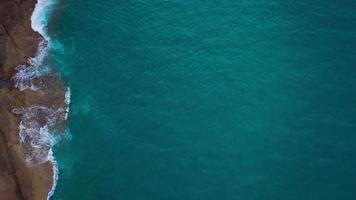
[
  {"x": 38, "y": 123},
  {"x": 34, "y": 68},
  {"x": 41, "y": 15}
]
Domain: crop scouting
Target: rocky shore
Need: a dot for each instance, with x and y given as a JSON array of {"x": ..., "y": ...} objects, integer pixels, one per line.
[{"x": 26, "y": 170}]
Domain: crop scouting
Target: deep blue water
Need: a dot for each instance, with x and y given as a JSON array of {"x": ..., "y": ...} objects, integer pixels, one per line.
[{"x": 212, "y": 100}]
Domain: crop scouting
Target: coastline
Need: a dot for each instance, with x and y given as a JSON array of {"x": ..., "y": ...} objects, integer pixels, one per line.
[{"x": 32, "y": 105}]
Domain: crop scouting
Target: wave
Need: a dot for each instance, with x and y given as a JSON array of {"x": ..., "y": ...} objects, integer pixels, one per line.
[
  {"x": 36, "y": 138},
  {"x": 41, "y": 15},
  {"x": 35, "y": 65},
  {"x": 55, "y": 174},
  {"x": 67, "y": 102},
  {"x": 35, "y": 128},
  {"x": 34, "y": 68},
  {"x": 38, "y": 123}
]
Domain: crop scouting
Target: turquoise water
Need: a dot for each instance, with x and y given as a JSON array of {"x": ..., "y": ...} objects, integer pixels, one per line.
[{"x": 187, "y": 100}]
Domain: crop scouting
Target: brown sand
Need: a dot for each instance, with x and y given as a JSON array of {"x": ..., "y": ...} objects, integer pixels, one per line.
[{"x": 18, "y": 42}]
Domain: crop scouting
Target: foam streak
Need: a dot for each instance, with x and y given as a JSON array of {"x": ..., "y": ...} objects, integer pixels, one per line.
[{"x": 37, "y": 122}]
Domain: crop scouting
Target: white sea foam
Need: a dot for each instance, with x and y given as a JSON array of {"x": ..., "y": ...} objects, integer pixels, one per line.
[
  {"x": 55, "y": 174},
  {"x": 40, "y": 16},
  {"x": 32, "y": 69},
  {"x": 67, "y": 101},
  {"x": 35, "y": 128},
  {"x": 34, "y": 66},
  {"x": 38, "y": 122}
]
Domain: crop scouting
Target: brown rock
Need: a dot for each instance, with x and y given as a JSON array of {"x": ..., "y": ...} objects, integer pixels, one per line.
[{"x": 18, "y": 42}]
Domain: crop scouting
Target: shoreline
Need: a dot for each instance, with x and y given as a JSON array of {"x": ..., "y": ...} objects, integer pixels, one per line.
[{"x": 32, "y": 104}]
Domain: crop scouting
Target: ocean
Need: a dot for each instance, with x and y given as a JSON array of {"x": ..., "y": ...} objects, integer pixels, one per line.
[{"x": 232, "y": 99}]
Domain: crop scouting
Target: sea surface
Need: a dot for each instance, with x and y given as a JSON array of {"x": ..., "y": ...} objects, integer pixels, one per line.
[{"x": 210, "y": 100}]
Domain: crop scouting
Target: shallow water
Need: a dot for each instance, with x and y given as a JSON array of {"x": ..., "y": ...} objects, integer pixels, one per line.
[{"x": 248, "y": 99}]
